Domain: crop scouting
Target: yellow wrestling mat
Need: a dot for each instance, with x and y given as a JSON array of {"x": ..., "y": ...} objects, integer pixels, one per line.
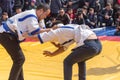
[{"x": 105, "y": 66}]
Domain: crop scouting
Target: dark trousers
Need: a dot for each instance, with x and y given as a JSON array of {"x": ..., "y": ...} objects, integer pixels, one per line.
[
  {"x": 108, "y": 22},
  {"x": 79, "y": 55},
  {"x": 11, "y": 44}
]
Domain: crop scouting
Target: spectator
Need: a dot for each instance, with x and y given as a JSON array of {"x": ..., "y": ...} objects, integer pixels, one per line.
[
  {"x": 89, "y": 3},
  {"x": 103, "y": 3},
  {"x": 92, "y": 18},
  {"x": 97, "y": 6},
  {"x": 116, "y": 14},
  {"x": 18, "y": 3},
  {"x": 106, "y": 15},
  {"x": 110, "y": 1},
  {"x": 18, "y": 10},
  {"x": 74, "y": 4},
  {"x": 63, "y": 17},
  {"x": 4, "y": 17},
  {"x": 71, "y": 14},
  {"x": 85, "y": 11},
  {"x": 50, "y": 22},
  {"x": 81, "y": 3},
  {"x": 116, "y": 4},
  {"x": 79, "y": 19},
  {"x": 33, "y": 4},
  {"x": 26, "y": 4},
  {"x": 118, "y": 21},
  {"x": 117, "y": 33}
]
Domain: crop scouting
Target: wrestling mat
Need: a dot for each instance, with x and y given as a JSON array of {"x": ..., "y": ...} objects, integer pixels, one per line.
[{"x": 105, "y": 66}]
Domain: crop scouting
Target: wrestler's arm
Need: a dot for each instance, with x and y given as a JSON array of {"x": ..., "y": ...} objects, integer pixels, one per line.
[
  {"x": 47, "y": 53},
  {"x": 33, "y": 37},
  {"x": 48, "y": 29}
]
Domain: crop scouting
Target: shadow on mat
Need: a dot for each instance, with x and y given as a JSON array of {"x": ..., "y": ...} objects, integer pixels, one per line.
[{"x": 102, "y": 71}]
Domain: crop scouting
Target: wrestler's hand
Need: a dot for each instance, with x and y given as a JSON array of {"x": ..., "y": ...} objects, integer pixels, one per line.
[
  {"x": 25, "y": 34},
  {"x": 54, "y": 27},
  {"x": 47, "y": 53}
]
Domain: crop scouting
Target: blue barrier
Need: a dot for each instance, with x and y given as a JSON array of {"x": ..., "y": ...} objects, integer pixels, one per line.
[{"x": 105, "y": 31}]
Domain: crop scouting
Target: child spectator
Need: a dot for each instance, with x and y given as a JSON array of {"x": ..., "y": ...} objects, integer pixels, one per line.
[
  {"x": 118, "y": 20},
  {"x": 71, "y": 14}
]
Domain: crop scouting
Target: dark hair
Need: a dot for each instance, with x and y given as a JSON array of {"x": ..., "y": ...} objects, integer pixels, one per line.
[
  {"x": 4, "y": 13},
  {"x": 61, "y": 8},
  {"x": 69, "y": 9},
  {"x": 108, "y": 4},
  {"x": 43, "y": 6},
  {"x": 91, "y": 9},
  {"x": 85, "y": 7},
  {"x": 79, "y": 14},
  {"x": 18, "y": 7}
]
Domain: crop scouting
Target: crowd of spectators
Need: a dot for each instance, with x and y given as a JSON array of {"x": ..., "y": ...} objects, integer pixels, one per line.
[{"x": 94, "y": 13}]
